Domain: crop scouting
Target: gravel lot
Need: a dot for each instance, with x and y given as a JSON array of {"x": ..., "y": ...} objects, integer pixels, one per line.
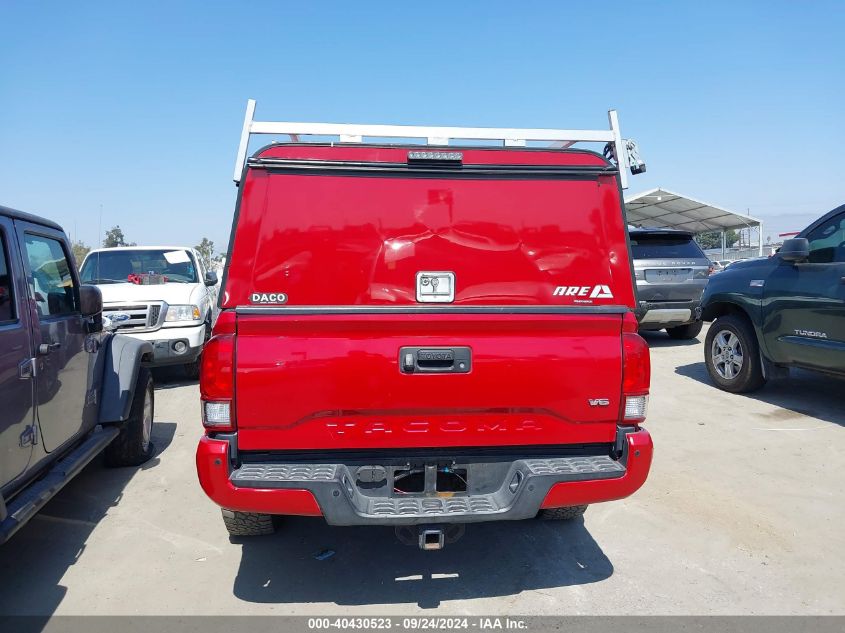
[{"x": 743, "y": 514}]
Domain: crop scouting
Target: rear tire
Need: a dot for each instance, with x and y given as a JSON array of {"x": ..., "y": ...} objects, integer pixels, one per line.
[
  {"x": 685, "y": 332},
  {"x": 133, "y": 446},
  {"x": 248, "y": 523},
  {"x": 732, "y": 355},
  {"x": 562, "y": 514}
]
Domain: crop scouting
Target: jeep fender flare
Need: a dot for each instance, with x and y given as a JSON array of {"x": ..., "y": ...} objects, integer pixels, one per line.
[{"x": 124, "y": 356}]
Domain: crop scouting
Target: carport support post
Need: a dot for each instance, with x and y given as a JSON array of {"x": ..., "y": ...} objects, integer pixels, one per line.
[
  {"x": 724, "y": 244},
  {"x": 760, "y": 238}
]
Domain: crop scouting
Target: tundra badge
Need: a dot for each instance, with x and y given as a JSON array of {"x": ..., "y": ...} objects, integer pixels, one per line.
[{"x": 811, "y": 333}]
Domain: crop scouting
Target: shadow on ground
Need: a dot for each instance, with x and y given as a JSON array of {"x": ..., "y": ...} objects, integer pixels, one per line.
[
  {"x": 33, "y": 562},
  {"x": 171, "y": 377},
  {"x": 370, "y": 567},
  {"x": 659, "y": 338},
  {"x": 802, "y": 393}
]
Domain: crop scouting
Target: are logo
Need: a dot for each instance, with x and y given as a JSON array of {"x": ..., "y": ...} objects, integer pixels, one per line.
[
  {"x": 268, "y": 297},
  {"x": 598, "y": 291}
]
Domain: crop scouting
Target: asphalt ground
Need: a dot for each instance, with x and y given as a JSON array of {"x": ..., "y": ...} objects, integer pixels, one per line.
[{"x": 743, "y": 513}]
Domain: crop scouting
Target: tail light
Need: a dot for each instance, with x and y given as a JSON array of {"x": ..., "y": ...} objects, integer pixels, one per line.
[
  {"x": 217, "y": 377},
  {"x": 636, "y": 372}
]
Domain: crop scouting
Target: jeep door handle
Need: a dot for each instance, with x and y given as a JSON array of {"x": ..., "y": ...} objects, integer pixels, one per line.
[{"x": 46, "y": 348}]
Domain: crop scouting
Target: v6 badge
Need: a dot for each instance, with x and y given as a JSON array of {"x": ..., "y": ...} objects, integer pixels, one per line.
[{"x": 435, "y": 287}]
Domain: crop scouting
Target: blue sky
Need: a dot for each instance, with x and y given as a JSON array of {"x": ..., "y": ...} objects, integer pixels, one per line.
[{"x": 137, "y": 107}]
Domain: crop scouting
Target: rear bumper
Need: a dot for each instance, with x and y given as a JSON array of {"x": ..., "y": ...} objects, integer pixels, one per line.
[
  {"x": 657, "y": 315},
  {"x": 329, "y": 489}
]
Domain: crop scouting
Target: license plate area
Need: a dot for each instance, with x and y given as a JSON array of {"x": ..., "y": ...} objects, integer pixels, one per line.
[
  {"x": 668, "y": 275},
  {"x": 425, "y": 479}
]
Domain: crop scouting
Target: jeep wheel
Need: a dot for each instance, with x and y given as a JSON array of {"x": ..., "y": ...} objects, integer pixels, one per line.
[
  {"x": 133, "y": 446},
  {"x": 732, "y": 355},
  {"x": 248, "y": 523},
  {"x": 685, "y": 332},
  {"x": 562, "y": 514}
]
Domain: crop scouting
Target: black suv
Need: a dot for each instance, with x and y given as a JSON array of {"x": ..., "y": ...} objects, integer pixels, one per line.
[
  {"x": 784, "y": 311},
  {"x": 671, "y": 272},
  {"x": 69, "y": 390}
]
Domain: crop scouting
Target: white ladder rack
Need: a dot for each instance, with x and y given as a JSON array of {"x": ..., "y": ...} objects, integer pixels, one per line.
[{"x": 622, "y": 150}]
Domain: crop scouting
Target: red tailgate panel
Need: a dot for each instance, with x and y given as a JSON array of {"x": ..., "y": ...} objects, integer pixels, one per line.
[{"x": 333, "y": 382}]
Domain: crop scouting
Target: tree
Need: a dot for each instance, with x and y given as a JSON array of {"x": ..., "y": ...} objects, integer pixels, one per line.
[
  {"x": 206, "y": 250},
  {"x": 114, "y": 237},
  {"x": 80, "y": 250},
  {"x": 713, "y": 239}
]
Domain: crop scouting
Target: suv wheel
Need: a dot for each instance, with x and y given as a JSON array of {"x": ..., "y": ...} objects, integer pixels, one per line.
[
  {"x": 133, "y": 446},
  {"x": 562, "y": 514},
  {"x": 732, "y": 355},
  {"x": 248, "y": 523},
  {"x": 684, "y": 332}
]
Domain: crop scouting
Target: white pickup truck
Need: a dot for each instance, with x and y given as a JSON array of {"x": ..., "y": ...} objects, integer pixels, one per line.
[{"x": 160, "y": 294}]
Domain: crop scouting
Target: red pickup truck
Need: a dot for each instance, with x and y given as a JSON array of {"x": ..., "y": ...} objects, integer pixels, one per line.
[{"x": 424, "y": 336}]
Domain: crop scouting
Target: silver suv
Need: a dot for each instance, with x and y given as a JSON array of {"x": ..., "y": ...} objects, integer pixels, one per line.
[{"x": 671, "y": 272}]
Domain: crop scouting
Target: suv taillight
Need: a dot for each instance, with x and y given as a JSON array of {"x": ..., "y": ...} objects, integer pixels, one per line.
[
  {"x": 217, "y": 380},
  {"x": 636, "y": 373}
]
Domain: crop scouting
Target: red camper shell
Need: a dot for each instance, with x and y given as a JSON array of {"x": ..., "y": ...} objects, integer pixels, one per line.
[{"x": 421, "y": 336}]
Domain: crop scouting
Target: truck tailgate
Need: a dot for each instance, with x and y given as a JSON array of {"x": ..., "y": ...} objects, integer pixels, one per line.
[{"x": 330, "y": 382}]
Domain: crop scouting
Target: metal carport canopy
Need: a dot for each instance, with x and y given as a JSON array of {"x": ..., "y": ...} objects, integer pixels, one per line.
[{"x": 659, "y": 208}]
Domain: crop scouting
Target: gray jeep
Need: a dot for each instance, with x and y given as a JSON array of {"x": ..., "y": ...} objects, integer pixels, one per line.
[{"x": 69, "y": 390}]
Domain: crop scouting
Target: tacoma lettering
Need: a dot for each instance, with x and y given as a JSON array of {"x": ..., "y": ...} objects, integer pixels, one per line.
[{"x": 381, "y": 427}]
